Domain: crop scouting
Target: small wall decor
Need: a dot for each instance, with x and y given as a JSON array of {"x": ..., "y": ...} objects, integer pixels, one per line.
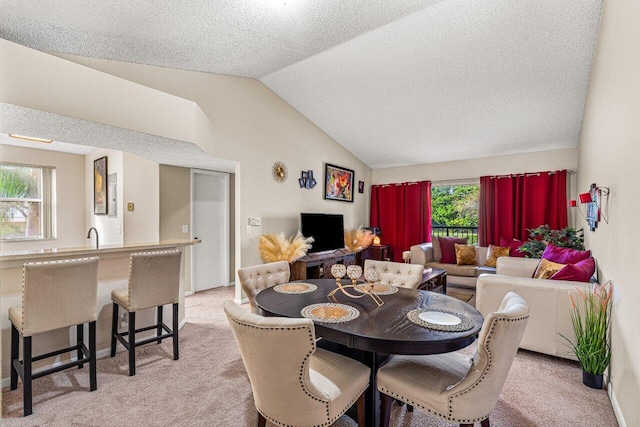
[
  {"x": 360, "y": 187},
  {"x": 594, "y": 205},
  {"x": 112, "y": 205},
  {"x": 307, "y": 180},
  {"x": 279, "y": 171},
  {"x": 100, "y": 196},
  {"x": 338, "y": 183}
]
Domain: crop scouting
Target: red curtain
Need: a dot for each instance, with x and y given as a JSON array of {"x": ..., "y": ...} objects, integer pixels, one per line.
[
  {"x": 403, "y": 213},
  {"x": 511, "y": 204}
]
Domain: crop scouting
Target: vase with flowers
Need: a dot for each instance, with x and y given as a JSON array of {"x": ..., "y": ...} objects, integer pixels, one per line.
[{"x": 590, "y": 317}]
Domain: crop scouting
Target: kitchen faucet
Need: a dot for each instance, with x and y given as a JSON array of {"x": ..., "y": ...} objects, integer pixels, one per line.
[{"x": 97, "y": 238}]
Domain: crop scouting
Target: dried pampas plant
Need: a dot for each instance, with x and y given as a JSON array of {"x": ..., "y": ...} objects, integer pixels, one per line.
[
  {"x": 275, "y": 247},
  {"x": 357, "y": 240}
]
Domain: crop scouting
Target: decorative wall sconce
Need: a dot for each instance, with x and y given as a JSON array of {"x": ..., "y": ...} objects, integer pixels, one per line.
[
  {"x": 307, "y": 180},
  {"x": 594, "y": 201}
]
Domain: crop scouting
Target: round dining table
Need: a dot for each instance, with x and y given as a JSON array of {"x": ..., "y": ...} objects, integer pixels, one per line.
[{"x": 378, "y": 331}]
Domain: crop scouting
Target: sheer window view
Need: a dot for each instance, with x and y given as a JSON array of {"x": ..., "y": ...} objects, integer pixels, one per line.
[
  {"x": 454, "y": 211},
  {"x": 25, "y": 202}
]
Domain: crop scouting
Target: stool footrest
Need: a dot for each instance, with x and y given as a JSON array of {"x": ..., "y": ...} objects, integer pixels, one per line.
[
  {"x": 57, "y": 352},
  {"x": 120, "y": 335},
  {"x": 60, "y": 368}
]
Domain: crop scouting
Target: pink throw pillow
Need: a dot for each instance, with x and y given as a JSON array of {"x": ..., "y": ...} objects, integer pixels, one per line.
[
  {"x": 564, "y": 255},
  {"x": 514, "y": 244},
  {"x": 578, "y": 272},
  {"x": 448, "y": 248}
]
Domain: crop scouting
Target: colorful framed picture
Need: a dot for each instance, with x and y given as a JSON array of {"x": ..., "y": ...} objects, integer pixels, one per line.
[
  {"x": 338, "y": 183},
  {"x": 100, "y": 196}
]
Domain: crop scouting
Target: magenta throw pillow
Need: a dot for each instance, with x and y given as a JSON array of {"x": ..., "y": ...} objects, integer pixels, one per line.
[
  {"x": 448, "y": 248},
  {"x": 514, "y": 244},
  {"x": 578, "y": 272},
  {"x": 564, "y": 255}
]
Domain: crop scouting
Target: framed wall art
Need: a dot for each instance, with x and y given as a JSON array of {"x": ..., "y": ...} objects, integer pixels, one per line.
[
  {"x": 100, "y": 196},
  {"x": 338, "y": 183}
]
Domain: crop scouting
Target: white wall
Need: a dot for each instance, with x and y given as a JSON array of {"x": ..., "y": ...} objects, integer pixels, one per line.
[
  {"x": 110, "y": 229},
  {"x": 609, "y": 152},
  {"x": 70, "y": 194},
  {"x": 141, "y": 180},
  {"x": 242, "y": 120}
]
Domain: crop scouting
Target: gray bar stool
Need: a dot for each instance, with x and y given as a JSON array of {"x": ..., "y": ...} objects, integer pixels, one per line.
[
  {"x": 55, "y": 294},
  {"x": 154, "y": 281}
]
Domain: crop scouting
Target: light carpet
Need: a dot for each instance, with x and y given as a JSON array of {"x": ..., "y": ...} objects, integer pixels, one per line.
[{"x": 208, "y": 386}]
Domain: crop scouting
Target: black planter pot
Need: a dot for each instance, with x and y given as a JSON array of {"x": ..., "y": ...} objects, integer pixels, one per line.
[{"x": 592, "y": 380}]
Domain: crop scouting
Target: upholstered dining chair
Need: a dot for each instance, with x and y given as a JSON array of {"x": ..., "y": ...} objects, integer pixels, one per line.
[
  {"x": 258, "y": 277},
  {"x": 453, "y": 386},
  {"x": 293, "y": 382},
  {"x": 397, "y": 273},
  {"x": 55, "y": 295},
  {"x": 154, "y": 281}
]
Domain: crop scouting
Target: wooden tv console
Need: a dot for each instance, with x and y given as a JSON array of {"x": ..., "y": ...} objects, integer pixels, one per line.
[{"x": 318, "y": 266}]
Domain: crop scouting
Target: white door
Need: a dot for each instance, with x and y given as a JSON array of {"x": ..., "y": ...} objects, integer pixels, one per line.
[{"x": 210, "y": 202}]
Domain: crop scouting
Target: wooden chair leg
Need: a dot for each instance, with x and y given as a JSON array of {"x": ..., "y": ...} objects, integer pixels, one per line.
[
  {"x": 159, "y": 328},
  {"x": 385, "y": 409},
  {"x": 132, "y": 343},
  {"x": 409, "y": 408},
  {"x": 27, "y": 398},
  {"x": 15, "y": 355},
  {"x": 466, "y": 425},
  {"x": 360, "y": 410},
  {"x": 79, "y": 341},
  {"x": 176, "y": 354},
  {"x": 114, "y": 328},
  {"x": 485, "y": 422},
  {"x": 262, "y": 422},
  {"x": 93, "y": 378}
]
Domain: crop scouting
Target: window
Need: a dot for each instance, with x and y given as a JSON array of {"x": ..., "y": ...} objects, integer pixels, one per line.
[
  {"x": 26, "y": 202},
  {"x": 454, "y": 210}
]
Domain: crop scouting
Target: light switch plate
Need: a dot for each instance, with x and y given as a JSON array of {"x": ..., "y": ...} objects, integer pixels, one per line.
[{"x": 185, "y": 228}]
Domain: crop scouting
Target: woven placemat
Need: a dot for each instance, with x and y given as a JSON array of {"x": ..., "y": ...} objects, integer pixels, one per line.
[
  {"x": 295, "y": 288},
  {"x": 464, "y": 325},
  {"x": 329, "y": 312},
  {"x": 392, "y": 290}
]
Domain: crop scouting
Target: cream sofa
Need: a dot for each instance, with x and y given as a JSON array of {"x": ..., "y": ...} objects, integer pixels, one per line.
[
  {"x": 464, "y": 275},
  {"x": 548, "y": 299}
]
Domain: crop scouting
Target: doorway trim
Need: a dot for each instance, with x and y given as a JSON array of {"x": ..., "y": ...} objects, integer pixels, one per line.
[{"x": 225, "y": 219}]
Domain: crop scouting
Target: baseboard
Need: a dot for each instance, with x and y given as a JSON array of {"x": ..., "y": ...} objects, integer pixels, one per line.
[
  {"x": 616, "y": 407},
  {"x": 241, "y": 300},
  {"x": 100, "y": 354}
]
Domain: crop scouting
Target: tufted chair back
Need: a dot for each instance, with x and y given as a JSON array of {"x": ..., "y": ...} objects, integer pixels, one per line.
[
  {"x": 258, "y": 277},
  {"x": 477, "y": 393},
  {"x": 154, "y": 279},
  {"x": 397, "y": 273},
  {"x": 293, "y": 383}
]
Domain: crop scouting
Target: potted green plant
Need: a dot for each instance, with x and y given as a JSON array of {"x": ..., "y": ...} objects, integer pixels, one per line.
[
  {"x": 541, "y": 236},
  {"x": 590, "y": 321}
]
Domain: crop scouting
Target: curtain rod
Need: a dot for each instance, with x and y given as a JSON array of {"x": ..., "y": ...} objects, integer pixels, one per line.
[{"x": 569, "y": 172}]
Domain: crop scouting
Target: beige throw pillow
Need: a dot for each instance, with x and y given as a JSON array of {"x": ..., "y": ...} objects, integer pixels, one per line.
[
  {"x": 466, "y": 255},
  {"x": 546, "y": 269},
  {"x": 437, "y": 252},
  {"x": 494, "y": 253}
]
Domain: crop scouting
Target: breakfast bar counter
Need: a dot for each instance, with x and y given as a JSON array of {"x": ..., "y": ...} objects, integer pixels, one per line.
[{"x": 113, "y": 273}]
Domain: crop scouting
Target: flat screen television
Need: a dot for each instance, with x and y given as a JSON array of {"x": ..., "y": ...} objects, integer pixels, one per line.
[{"x": 326, "y": 229}]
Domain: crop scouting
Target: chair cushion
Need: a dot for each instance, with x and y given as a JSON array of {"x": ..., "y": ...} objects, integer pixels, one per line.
[
  {"x": 454, "y": 269},
  {"x": 447, "y": 246},
  {"x": 564, "y": 255},
  {"x": 15, "y": 316},
  {"x": 121, "y": 297},
  {"x": 339, "y": 377},
  {"x": 514, "y": 244},
  {"x": 578, "y": 272},
  {"x": 494, "y": 253},
  {"x": 546, "y": 269},
  {"x": 422, "y": 380}
]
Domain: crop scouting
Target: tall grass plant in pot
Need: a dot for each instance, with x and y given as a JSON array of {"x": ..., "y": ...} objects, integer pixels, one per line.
[{"x": 590, "y": 318}]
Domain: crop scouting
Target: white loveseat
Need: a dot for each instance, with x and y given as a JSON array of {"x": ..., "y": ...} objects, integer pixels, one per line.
[{"x": 548, "y": 299}]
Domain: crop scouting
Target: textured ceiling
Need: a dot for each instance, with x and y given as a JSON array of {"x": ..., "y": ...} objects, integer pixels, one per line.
[
  {"x": 395, "y": 82},
  {"x": 165, "y": 151}
]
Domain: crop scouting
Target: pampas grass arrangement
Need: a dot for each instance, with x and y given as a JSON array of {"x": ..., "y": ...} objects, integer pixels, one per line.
[
  {"x": 357, "y": 240},
  {"x": 276, "y": 247}
]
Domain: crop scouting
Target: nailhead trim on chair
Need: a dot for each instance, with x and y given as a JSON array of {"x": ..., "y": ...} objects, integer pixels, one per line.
[
  {"x": 24, "y": 268},
  {"x": 484, "y": 374},
  {"x": 300, "y": 378},
  {"x": 171, "y": 251}
]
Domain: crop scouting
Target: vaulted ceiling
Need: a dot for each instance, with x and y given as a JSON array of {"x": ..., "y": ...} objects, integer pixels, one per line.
[{"x": 395, "y": 82}]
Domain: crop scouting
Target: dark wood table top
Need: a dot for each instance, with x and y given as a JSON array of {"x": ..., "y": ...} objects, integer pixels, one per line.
[{"x": 383, "y": 329}]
